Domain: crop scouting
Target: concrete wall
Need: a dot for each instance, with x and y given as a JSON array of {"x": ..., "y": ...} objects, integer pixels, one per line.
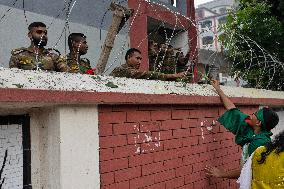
[
  {"x": 65, "y": 148},
  {"x": 181, "y": 41},
  {"x": 85, "y": 12},
  {"x": 11, "y": 139}
]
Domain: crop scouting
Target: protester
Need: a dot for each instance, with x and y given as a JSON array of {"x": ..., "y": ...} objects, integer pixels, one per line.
[
  {"x": 251, "y": 131},
  {"x": 265, "y": 168},
  {"x": 130, "y": 69}
]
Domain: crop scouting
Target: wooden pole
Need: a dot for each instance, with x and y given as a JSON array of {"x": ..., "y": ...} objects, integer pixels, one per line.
[{"x": 120, "y": 16}]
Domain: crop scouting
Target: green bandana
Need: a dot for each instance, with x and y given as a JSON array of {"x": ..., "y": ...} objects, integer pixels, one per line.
[{"x": 259, "y": 116}]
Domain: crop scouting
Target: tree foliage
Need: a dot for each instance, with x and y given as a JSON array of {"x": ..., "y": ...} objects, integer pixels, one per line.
[{"x": 254, "y": 40}]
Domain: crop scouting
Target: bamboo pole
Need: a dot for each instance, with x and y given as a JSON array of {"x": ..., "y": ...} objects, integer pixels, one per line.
[{"x": 120, "y": 16}]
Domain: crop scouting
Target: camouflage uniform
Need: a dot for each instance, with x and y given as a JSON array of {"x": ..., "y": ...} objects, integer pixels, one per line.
[
  {"x": 169, "y": 64},
  {"x": 76, "y": 67},
  {"x": 126, "y": 71},
  {"x": 152, "y": 55},
  {"x": 27, "y": 59},
  {"x": 181, "y": 62}
]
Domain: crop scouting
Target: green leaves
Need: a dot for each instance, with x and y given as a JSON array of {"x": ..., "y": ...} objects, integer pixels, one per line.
[{"x": 253, "y": 39}]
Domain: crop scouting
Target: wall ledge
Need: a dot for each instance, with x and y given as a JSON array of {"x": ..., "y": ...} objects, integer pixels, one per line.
[{"x": 24, "y": 86}]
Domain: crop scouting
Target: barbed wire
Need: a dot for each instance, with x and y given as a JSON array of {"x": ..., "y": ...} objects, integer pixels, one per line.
[
  {"x": 168, "y": 35},
  {"x": 8, "y": 10}
]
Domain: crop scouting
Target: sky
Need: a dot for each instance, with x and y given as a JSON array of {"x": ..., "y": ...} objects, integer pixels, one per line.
[{"x": 198, "y": 2}]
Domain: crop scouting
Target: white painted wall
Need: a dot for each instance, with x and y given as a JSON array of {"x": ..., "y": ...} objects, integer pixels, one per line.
[
  {"x": 11, "y": 139},
  {"x": 13, "y": 32},
  {"x": 45, "y": 148},
  {"x": 65, "y": 148},
  {"x": 79, "y": 147},
  {"x": 280, "y": 126},
  {"x": 208, "y": 13},
  {"x": 181, "y": 41}
]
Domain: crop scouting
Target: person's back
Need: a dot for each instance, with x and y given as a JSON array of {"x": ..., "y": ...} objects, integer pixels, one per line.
[{"x": 268, "y": 165}]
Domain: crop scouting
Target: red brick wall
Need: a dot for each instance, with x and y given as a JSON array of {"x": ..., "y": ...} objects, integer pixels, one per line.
[{"x": 164, "y": 146}]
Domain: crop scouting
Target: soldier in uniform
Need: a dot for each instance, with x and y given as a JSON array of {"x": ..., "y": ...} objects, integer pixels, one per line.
[
  {"x": 36, "y": 57},
  {"x": 131, "y": 68},
  {"x": 152, "y": 54},
  {"x": 181, "y": 61},
  {"x": 78, "y": 46},
  {"x": 169, "y": 63}
]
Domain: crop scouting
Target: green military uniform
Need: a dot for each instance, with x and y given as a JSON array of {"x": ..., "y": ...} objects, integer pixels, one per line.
[
  {"x": 234, "y": 121},
  {"x": 27, "y": 59},
  {"x": 76, "y": 67},
  {"x": 129, "y": 72},
  {"x": 169, "y": 64},
  {"x": 152, "y": 55},
  {"x": 181, "y": 62},
  {"x": 159, "y": 61}
]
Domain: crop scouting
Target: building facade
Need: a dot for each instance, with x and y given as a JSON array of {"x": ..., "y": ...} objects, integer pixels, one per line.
[{"x": 210, "y": 16}]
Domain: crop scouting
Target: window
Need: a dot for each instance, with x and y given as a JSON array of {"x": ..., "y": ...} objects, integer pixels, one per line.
[
  {"x": 174, "y": 3},
  {"x": 200, "y": 14},
  {"x": 222, "y": 10},
  {"x": 222, "y": 20},
  {"x": 206, "y": 24},
  {"x": 207, "y": 40},
  {"x": 164, "y": 1}
]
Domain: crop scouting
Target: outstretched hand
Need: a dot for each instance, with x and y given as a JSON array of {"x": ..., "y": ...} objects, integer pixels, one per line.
[
  {"x": 181, "y": 74},
  {"x": 215, "y": 83},
  {"x": 214, "y": 172}
]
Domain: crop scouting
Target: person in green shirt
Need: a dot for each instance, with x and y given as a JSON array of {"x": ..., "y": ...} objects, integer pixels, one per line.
[
  {"x": 251, "y": 131},
  {"x": 130, "y": 69},
  {"x": 78, "y": 47}
]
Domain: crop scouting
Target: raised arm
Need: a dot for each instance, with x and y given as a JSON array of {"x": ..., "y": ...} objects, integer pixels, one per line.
[{"x": 226, "y": 101}]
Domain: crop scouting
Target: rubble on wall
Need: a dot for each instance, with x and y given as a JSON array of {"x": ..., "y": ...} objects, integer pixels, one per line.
[{"x": 16, "y": 78}]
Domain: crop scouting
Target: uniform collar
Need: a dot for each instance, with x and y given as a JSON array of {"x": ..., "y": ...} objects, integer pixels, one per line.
[{"x": 31, "y": 49}]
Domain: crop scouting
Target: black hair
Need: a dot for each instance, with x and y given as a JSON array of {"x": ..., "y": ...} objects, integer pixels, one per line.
[
  {"x": 75, "y": 37},
  {"x": 130, "y": 52},
  {"x": 277, "y": 144},
  {"x": 35, "y": 25},
  {"x": 270, "y": 117}
]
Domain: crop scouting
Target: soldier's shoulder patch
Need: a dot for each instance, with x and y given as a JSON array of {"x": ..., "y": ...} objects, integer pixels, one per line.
[
  {"x": 18, "y": 50},
  {"x": 62, "y": 58}
]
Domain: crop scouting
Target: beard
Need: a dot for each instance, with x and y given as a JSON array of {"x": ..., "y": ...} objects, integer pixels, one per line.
[
  {"x": 83, "y": 52},
  {"x": 40, "y": 42}
]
